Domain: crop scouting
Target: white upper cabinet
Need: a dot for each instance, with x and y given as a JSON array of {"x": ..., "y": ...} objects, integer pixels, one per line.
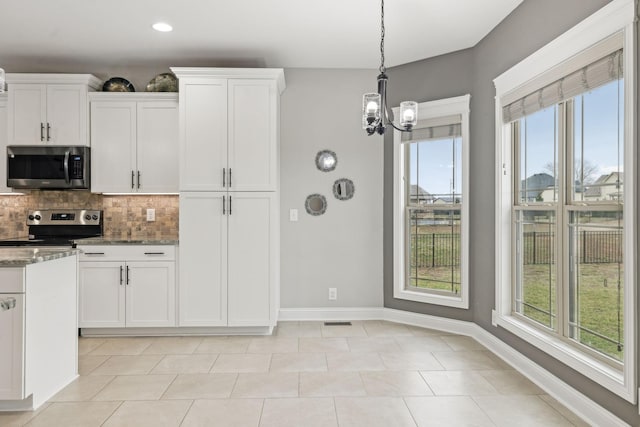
[
  {"x": 49, "y": 108},
  {"x": 253, "y": 135},
  {"x": 203, "y": 138},
  {"x": 134, "y": 143},
  {"x": 4, "y": 134},
  {"x": 229, "y": 128}
]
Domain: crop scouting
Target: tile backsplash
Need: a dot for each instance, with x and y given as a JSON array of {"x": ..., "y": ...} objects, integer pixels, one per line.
[{"x": 124, "y": 216}]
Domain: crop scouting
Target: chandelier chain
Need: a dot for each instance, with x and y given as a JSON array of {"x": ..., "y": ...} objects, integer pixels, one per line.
[{"x": 382, "y": 67}]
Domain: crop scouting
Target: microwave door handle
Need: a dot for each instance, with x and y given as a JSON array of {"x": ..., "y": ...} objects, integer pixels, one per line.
[{"x": 66, "y": 167}]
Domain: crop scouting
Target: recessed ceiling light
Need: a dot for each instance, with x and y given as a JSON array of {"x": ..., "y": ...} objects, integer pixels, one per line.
[{"x": 163, "y": 27}]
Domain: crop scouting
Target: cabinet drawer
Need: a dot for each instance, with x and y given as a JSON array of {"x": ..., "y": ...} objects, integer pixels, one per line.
[
  {"x": 12, "y": 280},
  {"x": 127, "y": 253}
]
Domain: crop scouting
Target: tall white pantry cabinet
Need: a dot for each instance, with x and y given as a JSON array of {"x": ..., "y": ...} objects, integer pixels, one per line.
[{"x": 229, "y": 201}]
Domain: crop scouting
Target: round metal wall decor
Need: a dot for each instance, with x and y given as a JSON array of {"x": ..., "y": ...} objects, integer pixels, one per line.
[
  {"x": 343, "y": 189},
  {"x": 316, "y": 204},
  {"x": 326, "y": 160}
]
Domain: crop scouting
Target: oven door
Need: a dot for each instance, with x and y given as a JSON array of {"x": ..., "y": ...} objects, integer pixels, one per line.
[{"x": 36, "y": 167}]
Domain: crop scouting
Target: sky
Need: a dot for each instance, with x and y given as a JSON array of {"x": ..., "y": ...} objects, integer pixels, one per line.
[
  {"x": 601, "y": 146},
  {"x": 436, "y": 165}
]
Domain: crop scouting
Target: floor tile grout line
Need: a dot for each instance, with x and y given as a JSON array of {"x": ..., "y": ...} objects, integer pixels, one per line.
[
  {"x": 482, "y": 409},
  {"x": 112, "y": 413},
  {"x": 409, "y": 410},
  {"x": 187, "y": 412},
  {"x": 175, "y": 377}
]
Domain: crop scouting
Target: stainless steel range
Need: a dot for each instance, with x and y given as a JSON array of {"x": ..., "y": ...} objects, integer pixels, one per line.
[{"x": 59, "y": 227}]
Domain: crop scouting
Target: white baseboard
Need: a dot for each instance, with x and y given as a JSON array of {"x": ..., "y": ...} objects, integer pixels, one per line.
[{"x": 577, "y": 402}]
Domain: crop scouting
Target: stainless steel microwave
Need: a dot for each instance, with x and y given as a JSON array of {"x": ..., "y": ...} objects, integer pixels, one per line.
[{"x": 48, "y": 167}]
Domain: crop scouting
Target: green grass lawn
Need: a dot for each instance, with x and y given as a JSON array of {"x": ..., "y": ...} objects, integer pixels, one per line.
[
  {"x": 436, "y": 248},
  {"x": 597, "y": 301}
]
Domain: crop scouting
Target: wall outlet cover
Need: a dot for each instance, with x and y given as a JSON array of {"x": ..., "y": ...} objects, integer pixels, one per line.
[{"x": 151, "y": 215}]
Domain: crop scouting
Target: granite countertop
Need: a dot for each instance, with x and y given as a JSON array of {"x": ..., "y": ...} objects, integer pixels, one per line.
[
  {"x": 21, "y": 256},
  {"x": 104, "y": 240}
]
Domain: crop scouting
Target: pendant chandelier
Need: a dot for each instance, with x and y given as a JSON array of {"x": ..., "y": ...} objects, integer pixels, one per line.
[{"x": 375, "y": 117}]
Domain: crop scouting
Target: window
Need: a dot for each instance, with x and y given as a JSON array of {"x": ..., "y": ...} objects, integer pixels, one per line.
[
  {"x": 430, "y": 219},
  {"x": 565, "y": 226}
]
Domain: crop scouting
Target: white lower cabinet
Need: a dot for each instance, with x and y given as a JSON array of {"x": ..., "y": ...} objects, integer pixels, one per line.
[
  {"x": 12, "y": 348},
  {"x": 127, "y": 286},
  {"x": 38, "y": 331},
  {"x": 228, "y": 258}
]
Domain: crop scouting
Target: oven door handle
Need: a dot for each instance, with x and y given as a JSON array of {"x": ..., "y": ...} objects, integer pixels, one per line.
[{"x": 66, "y": 166}]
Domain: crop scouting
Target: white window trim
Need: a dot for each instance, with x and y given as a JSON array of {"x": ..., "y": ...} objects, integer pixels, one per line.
[
  {"x": 616, "y": 17},
  {"x": 431, "y": 110}
]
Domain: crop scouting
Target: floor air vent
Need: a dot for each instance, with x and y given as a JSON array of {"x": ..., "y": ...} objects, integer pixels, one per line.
[{"x": 337, "y": 323}]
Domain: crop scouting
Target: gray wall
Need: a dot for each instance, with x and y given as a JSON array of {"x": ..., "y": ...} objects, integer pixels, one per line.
[
  {"x": 321, "y": 109},
  {"x": 532, "y": 25}
]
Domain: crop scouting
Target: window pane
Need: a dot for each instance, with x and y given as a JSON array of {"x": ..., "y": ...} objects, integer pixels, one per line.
[
  {"x": 535, "y": 288},
  {"x": 598, "y": 144},
  {"x": 434, "y": 249},
  {"x": 435, "y": 170},
  {"x": 596, "y": 288},
  {"x": 538, "y": 157}
]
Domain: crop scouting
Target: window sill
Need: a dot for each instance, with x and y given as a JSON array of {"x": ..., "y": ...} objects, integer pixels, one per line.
[
  {"x": 607, "y": 376},
  {"x": 432, "y": 298}
]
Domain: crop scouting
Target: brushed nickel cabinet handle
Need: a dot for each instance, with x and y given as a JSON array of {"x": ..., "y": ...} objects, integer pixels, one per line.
[
  {"x": 224, "y": 177},
  {"x": 41, "y": 131},
  {"x": 138, "y": 179},
  {"x": 48, "y": 132},
  {"x": 8, "y": 304}
]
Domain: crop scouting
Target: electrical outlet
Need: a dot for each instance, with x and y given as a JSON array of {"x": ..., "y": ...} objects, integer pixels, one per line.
[
  {"x": 333, "y": 294},
  {"x": 293, "y": 215},
  {"x": 151, "y": 215}
]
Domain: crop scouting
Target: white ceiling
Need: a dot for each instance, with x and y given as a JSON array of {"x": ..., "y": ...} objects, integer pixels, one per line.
[{"x": 267, "y": 33}]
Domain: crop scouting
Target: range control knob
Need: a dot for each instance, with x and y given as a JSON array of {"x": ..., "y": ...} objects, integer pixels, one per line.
[
  {"x": 95, "y": 217},
  {"x": 38, "y": 217},
  {"x": 31, "y": 217},
  {"x": 87, "y": 217}
]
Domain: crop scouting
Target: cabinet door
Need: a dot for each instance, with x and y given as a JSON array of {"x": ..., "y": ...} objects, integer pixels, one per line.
[
  {"x": 203, "y": 135},
  {"x": 252, "y": 259},
  {"x": 102, "y": 295},
  {"x": 12, "y": 349},
  {"x": 4, "y": 136},
  {"x": 27, "y": 114},
  {"x": 203, "y": 259},
  {"x": 113, "y": 139},
  {"x": 67, "y": 115},
  {"x": 157, "y": 147},
  {"x": 150, "y": 289},
  {"x": 253, "y": 135}
]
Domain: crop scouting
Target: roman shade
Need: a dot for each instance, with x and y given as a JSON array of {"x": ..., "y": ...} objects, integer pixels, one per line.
[
  {"x": 436, "y": 128},
  {"x": 595, "y": 67}
]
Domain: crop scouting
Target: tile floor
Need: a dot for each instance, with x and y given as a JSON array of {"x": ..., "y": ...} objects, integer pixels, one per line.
[{"x": 372, "y": 373}]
